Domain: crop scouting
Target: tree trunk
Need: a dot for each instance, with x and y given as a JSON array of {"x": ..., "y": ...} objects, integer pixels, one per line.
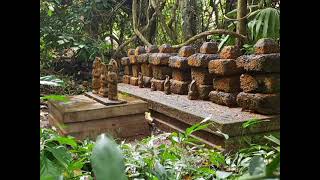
[
  {"x": 242, "y": 22},
  {"x": 189, "y": 17}
]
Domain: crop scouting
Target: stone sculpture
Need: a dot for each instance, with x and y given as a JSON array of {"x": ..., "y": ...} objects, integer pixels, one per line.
[
  {"x": 140, "y": 80},
  {"x": 167, "y": 85},
  {"x": 193, "y": 92},
  {"x": 96, "y": 75},
  {"x": 112, "y": 84},
  {"x": 103, "y": 91},
  {"x": 153, "y": 86}
]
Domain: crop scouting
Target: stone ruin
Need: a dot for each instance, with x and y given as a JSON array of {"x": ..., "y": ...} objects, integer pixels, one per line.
[
  {"x": 226, "y": 78},
  {"x": 105, "y": 79}
]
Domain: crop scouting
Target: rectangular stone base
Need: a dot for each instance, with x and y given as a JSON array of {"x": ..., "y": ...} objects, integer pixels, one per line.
[
  {"x": 181, "y": 74},
  {"x": 223, "y": 98},
  {"x": 84, "y": 117},
  {"x": 126, "y": 79},
  {"x": 146, "y": 69},
  {"x": 204, "y": 91},
  {"x": 134, "y": 81},
  {"x": 260, "y": 83},
  {"x": 260, "y": 103},
  {"x": 159, "y": 84},
  {"x": 160, "y": 71},
  {"x": 179, "y": 87},
  {"x": 227, "y": 84},
  {"x": 103, "y": 100}
]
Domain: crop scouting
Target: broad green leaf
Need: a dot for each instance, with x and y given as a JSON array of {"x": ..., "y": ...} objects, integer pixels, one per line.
[
  {"x": 266, "y": 22},
  {"x": 66, "y": 140},
  {"x": 259, "y": 23},
  {"x": 273, "y": 139},
  {"x": 61, "y": 154},
  {"x": 271, "y": 167},
  {"x": 224, "y": 40}
]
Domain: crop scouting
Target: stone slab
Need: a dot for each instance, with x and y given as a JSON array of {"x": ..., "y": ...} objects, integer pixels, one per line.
[
  {"x": 201, "y": 60},
  {"x": 224, "y": 67},
  {"x": 178, "y": 62},
  {"x": 82, "y": 108},
  {"x": 260, "y": 83},
  {"x": 224, "y": 98},
  {"x": 227, "y": 84},
  {"x": 103, "y": 100},
  {"x": 228, "y": 120},
  {"x": 179, "y": 87},
  {"x": 202, "y": 76},
  {"x": 158, "y": 83},
  {"x": 181, "y": 75}
]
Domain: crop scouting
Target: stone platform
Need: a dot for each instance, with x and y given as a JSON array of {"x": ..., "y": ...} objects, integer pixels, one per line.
[
  {"x": 82, "y": 117},
  {"x": 178, "y": 112}
]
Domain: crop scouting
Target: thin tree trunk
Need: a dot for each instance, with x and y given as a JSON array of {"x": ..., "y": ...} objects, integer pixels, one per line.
[
  {"x": 188, "y": 11},
  {"x": 242, "y": 22}
]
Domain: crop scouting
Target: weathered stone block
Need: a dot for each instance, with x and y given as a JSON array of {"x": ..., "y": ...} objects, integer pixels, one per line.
[
  {"x": 143, "y": 58},
  {"x": 125, "y": 61},
  {"x": 264, "y": 63},
  {"x": 260, "y": 103},
  {"x": 201, "y": 60},
  {"x": 166, "y": 48},
  {"x": 128, "y": 70},
  {"x": 130, "y": 52},
  {"x": 134, "y": 81},
  {"x": 179, "y": 87},
  {"x": 159, "y": 58},
  {"x": 147, "y": 81},
  {"x": 204, "y": 91},
  {"x": 227, "y": 84},
  {"x": 181, "y": 75},
  {"x": 230, "y": 52},
  {"x": 133, "y": 59},
  {"x": 136, "y": 68},
  {"x": 160, "y": 72},
  {"x": 146, "y": 69},
  {"x": 178, "y": 62},
  {"x": 186, "y": 51},
  {"x": 266, "y": 46},
  {"x": 223, "y": 98},
  {"x": 202, "y": 76},
  {"x": 224, "y": 67},
  {"x": 139, "y": 50},
  {"x": 260, "y": 83},
  {"x": 241, "y": 61},
  {"x": 159, "y": 84},
  {"x": 126, "y": 79},
  {"x": 152, "y": 49},
  {"x": 209, "y": 48}
]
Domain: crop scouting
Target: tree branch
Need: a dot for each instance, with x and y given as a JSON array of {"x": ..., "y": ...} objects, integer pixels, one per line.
[
  {"x": 135, "y": 28},
  {"x": 207, "y": 33}
]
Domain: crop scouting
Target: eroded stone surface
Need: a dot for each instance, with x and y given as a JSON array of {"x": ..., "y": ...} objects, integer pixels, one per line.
[
  {"x": 152, "y": 49},
  {"x": 125, "y": 61},
  {"x": 160, "y": 72},
  {"x": 186, "y": 51},
  {"x": 227, "y": 84},
  {"x": 139, "y": 50},
  {"x": 127, "y": 70},
  {"x": 134, "y": 81},
  {"x": 179, "y": 87},
  {"x": 204, "y": 91},
  {"x": 264, "y": 63},
  {"x": 266, "y": 46},
  {"x": 143, "y": 58},
  {"x": 260, "y": 103},
  {"x": 126, "y": 79},
  {"x": 260, "y": 83},
  {"x": 159, "y": 58},
  {"x": 147, "y": 81},
  {"x": 130, "y": 52},
  {"x": 181, "y": 75},
  {"x": 136, "y": 68},
  {"x": 230, "y": 52},
  {"x": 209, "y": 48},
  {"x": 133, "y": 59},
  {"x": 166, "y": 48},
  {"x": 146, "y": 69},
  {"x": 224, "y": 67},
  {"x": 178, "y": 62},
  {"x": 159, "y": 84},
  {"x": 202, "y": 76},
  {"x": 223, "y": 98},
  {"x": 201, "y": 60}
]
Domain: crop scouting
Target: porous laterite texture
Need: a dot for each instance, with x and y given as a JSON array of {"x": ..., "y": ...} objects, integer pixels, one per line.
[
  {"x": 160, "y": 72},
  {"x": 166, "y": 48},
  {"x": 181, "y": 75},
  {"x": 178, "y": 62},
  {"x": 204, "y": 91},
  {"x": 186, "y": 51},
  {"x": 136, "y": 68},
  {"x": 266, "y": 46},
  {"x": 179, "y": 87},
  {"x": 241, "y": 61},
  {"x": 159, "y": 84},
  {"x": 146, "y": 69},
  {"x": 143, "y": 58},
  {"x": 209, "y": 48},
  {"x": 125, "y": 61},
  {"x": 264, "y": 63},
  {"x": 230, "y": 52},
  {"x": 139, "y": 50},
  {"x": 259, "y": 103},
  {"x": 223, "y": 98},
  {"x": 133, "y": 59},
  {"x": 126, "y": 79},
  {"x": 128, "y": 70},
  {"x": 224, "y": 67},
  {"x": 159, "y": 58},
  {"x": 152, "y": 49},
  {"x": 130, "y": 52},
  {"x": 201, "y": 60},
  {"x": 227, "y": 84},
  {"x": 202, "y": 76},
  {"x": 134, "y": 81},
  {"x": 260, "y": 83}
]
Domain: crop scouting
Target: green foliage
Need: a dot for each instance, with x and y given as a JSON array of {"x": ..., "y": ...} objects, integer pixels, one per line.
[{"x": 51, "y": 81}]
